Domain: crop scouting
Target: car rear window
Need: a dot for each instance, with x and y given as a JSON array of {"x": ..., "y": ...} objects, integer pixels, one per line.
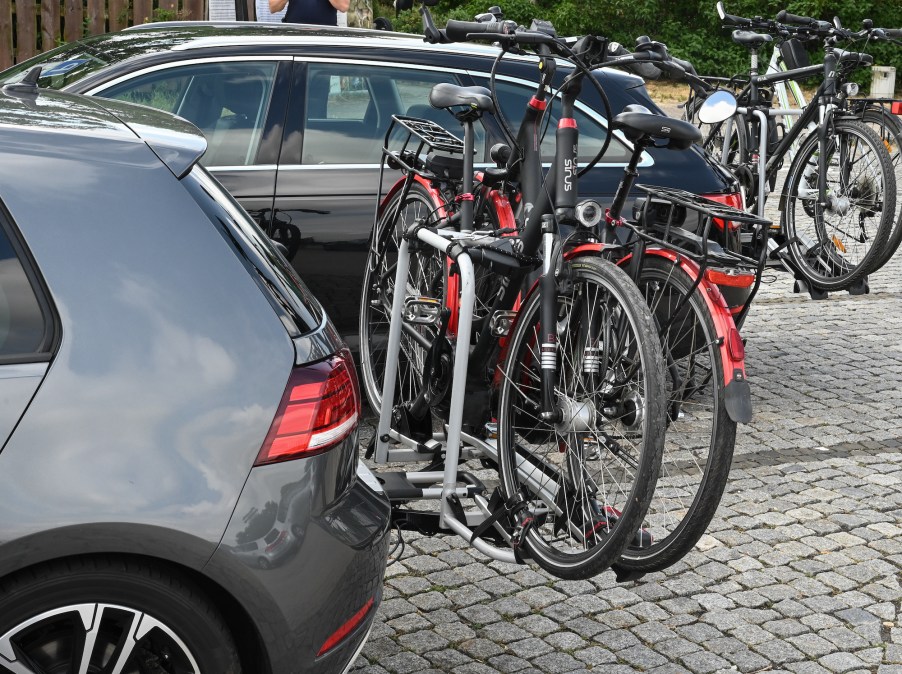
[
  {"x": 299, "y": 310},
  {"x": 26, "y": 324}
]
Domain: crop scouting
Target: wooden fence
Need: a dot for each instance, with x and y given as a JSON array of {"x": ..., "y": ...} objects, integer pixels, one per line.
[{"x": 28, "y": 27}]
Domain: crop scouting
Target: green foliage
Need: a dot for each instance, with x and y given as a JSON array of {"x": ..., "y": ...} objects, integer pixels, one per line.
[{"x": 690, "y": 28}]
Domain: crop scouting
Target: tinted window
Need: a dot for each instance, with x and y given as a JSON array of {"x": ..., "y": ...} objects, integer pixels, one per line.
[
  {"x": 513, "y": 99},
  {"x": 22, "y": 325},
  {"x": 277, "y": 278},
  {"x": 227, "y": 101},
  {"x": 349, "y": 109}
]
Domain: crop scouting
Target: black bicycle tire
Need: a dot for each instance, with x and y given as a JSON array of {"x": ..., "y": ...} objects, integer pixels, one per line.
[
  {"x": 740, "y": 133},
  {"x": 849, "y": 273},
  {"x": 595, "y": 559},
  {"x": 381, "y": 245},
  {"x": 891, "y": 123},
  {"x": 715, "y": 466}
]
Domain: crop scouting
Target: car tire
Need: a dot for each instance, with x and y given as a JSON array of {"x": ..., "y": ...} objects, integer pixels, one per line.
[{"x": 106, "y": 612}]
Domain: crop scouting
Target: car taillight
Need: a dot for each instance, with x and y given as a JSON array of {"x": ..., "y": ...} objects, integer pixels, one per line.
[
  {"x": 320, "y": 408},
  {"x": 733, "y": 199}
]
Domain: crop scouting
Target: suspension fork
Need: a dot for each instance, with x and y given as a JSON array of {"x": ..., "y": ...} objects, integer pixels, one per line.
[
  {"x": 830, "y": 63},
  {"x": 548, "y": 344}
]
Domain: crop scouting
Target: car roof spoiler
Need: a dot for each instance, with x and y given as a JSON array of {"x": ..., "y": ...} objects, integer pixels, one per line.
[{"x": 176, "y": 141}]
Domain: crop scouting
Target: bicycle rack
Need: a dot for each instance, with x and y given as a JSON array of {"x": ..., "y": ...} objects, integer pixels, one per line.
[{"x": 411, "y": 486}]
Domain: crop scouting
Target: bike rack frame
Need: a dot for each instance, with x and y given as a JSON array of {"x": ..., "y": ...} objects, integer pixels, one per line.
[{"x": 443, "y": 241}]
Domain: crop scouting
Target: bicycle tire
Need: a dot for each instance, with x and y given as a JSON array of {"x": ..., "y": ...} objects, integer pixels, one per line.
[
  {"x": 698, "y": 447},
  {"x": 828, "y": 249},
  {"x": 713, "y": 141},
  {"x": 425, "y": 278},
  {"x": 889, "y": 129},
  {"x": 539, "y": 460}
]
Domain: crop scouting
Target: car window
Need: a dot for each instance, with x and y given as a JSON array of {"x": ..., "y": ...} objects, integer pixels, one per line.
[
  {"x": 349, "y": 109},
  {"x": 513, "y": 99},
  {"x": 227, "y": 101},
  {"x": 23, "y": 325}
]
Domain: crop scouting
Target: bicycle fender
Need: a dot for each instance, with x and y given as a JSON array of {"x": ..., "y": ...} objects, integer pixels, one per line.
[{"x": 733, "y": 360}]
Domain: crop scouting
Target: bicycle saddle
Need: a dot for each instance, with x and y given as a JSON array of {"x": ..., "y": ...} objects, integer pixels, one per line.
[
  {"x": 636, "y": 121},
  {"x": 750, "y": 39},
  {"x": 446, "y": 95}
]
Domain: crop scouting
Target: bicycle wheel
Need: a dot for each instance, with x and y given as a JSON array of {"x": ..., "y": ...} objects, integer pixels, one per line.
[
  {"x": 698, "y": 447},
  {"x": 424, "y": 279},
  {"x": 714, "y": 141},
  {"x": 835, "y": 245},
  {"x": 586, "y": 480},
  {"x": 889, "y": 130}
]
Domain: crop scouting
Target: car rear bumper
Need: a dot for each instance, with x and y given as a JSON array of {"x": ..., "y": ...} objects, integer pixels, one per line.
[{"x": 332, "y": 566}]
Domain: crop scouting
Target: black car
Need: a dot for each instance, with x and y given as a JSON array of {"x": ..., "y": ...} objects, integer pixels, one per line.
[{"x": 296, "y": 117}]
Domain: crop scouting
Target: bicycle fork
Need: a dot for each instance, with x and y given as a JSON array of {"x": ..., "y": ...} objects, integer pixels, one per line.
[{"x": 548, "y": 322}]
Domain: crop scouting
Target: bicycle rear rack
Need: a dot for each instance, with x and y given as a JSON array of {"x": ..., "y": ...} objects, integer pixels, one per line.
[
  {"x": 417, "y": 137},
  {"x": 697, "y": 245}
]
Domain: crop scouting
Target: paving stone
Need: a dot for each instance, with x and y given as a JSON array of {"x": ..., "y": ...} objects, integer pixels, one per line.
[
  {"x": 507, "y": 663},
  {"x": 404, "y": 662},
  {"x": 423, "y": 641},
  {"x": 779, "y": 652},
  {"x": 704, "y": 663},
  {"x": 537, "y": 625},
  {"x": 595, "y": 655},
  {"x": 641, "y": 657},
  {"x": 841, "y": 662}
]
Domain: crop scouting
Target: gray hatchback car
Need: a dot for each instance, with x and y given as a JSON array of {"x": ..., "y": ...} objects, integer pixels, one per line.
[{"x": 179, "y": 482}]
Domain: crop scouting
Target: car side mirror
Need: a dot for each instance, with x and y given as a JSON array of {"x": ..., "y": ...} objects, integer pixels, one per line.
[{"x": 717, "y": 107}]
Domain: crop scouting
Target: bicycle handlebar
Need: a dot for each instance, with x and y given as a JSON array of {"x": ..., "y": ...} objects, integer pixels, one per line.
[
  {"x": 785, "y": 17},
  {"x": 457, "y": 31}
]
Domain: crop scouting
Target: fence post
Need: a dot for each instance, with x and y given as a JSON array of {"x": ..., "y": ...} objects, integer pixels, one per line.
[
  {"x": 96, "y": 17},
  {"x": 74, "y": 19},
  {"x": 50, "y": 24},
  {"x": 26, "y": 30},
  {"x": 6, "y": 35},
  {"x": 142, "y": 10}
]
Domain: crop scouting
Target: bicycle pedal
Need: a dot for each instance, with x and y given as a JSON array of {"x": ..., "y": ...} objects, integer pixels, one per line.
[{"x": 422, "y": 310}]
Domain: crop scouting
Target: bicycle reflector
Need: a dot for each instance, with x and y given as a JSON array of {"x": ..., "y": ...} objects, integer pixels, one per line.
[
  {"x": 732, "y": 199},
  {"x": 896, "y": 107},
  {"x": 319, "y": 409}
]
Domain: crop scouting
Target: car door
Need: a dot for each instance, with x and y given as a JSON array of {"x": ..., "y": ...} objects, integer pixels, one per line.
[
  {"x": 238, "y": 102},
  {"x": 27, "y": 328},
  {"x": 329, "y": 169}
]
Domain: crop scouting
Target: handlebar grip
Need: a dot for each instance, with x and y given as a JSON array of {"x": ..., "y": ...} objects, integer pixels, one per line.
[
  {"x": 894, "y": 33},
  {"x": 457, "y": 31},
  {"x": 785, "y": 17}
]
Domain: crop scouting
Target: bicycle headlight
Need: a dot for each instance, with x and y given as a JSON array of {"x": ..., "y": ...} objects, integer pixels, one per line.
[
  {"x": 589, "y": 213},
  {"x": 850, "y": 89}
]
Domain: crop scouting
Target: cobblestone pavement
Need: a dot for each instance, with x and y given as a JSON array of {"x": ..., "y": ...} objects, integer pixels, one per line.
[{"x": 801, "y": 570}]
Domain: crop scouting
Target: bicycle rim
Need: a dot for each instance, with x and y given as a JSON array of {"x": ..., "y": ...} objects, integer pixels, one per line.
[
  {"x": 889, "y": 130},
  {"x": 425, "y": 279},
  {"x": 698, "y": 447},
  {"x": 586, "y": 480},
  {"x": 835, "y": 245}
]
